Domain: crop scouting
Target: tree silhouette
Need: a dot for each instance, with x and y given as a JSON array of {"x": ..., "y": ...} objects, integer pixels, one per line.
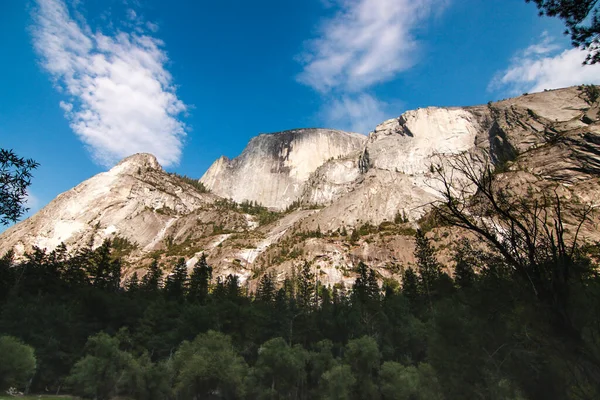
[
  {"x": 15, "y": 177},
  {"x": 582, "y": 21}
]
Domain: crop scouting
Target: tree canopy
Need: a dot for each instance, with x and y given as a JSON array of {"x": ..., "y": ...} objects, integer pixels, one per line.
[
  {"x": 582, "y": 21},
  {"x": 15, "y": 178}
]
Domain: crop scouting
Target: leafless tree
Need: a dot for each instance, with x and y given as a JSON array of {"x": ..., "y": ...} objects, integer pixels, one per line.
[{"x": 532, "y": 227}]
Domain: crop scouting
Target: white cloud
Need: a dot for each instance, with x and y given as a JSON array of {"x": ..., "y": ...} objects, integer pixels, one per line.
[
  {"x": 67, "y": 107},
  {"x": 366, "y": 42},
  {"x": 32, "y": 202},
  {"x": 355, "y": 113},
  {"x": 121, "y": 98},
  {"x": 544, "y": 66}
]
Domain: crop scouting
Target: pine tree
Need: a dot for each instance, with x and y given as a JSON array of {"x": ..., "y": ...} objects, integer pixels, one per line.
[
  {"x": 176, "y": 285},
  {"x": 355, "y": 236},
  {"x": 463, "y": 274},
  {"x": 266, "y": 289},
  {"x": 410, "y": 286},
  {"x": 306, "y": 287},
  {"x": 132, "y": 284},
  {"x": 366, "y": 288},
  {"x": 233, "y": 290},
  {"x": 7, "y": 277},
  {"x": 152, "y": 281},
  {"x": 427, "y": 265},
  {"x": 200, "y": 280},
  {"x": 105, "y": 272}
]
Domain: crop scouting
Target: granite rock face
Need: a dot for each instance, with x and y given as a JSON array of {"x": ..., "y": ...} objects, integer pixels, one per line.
[
  {"x": 135, "y": 200},
  {"x": 273, "y": 168},
  {"x": 341, "y": 182}
]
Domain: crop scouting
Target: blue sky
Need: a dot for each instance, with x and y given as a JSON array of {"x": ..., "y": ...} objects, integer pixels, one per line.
[{"x": 85, "y": 83}]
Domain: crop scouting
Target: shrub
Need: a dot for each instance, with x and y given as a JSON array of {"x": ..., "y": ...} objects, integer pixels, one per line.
[{"x": 18, "y": 363}]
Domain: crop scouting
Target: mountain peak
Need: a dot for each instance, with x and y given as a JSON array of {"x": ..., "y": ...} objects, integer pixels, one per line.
[
  {"x": 273, "y": 168},
  {"x": 135, "y": 162}
]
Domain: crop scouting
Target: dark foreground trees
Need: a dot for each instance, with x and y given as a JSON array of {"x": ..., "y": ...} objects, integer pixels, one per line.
[
  {"x": 486, "y": 335},
  {"x": 537, "y": 238}
]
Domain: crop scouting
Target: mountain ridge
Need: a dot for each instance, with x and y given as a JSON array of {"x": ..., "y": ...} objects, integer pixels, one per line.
[{"x": 320, "y": 184}]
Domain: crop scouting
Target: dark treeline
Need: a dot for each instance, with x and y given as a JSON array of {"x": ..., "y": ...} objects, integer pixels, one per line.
[{"x": 481, "y": 334}]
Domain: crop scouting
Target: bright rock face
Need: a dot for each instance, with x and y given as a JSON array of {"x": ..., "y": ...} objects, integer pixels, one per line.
[
  {"x": 408, "y": 143},
  {"x": 550, "y": 138},
  {"x": 135, "y": 200},
  {"x": 273, "y": 168}
]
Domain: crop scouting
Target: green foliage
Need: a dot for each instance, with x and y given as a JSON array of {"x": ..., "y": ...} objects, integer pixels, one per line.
[
  {"x": 366, "y": 229},
  {"x": 400, "y": 218},
  {"x": 401, "y": 382},
  {"x": 280, "y": 370},
  {"x": 294, "y": 205},
  {"x": 150, "y": 380},
  {"x": 303, "y": 235},
  {"x": 18, "y": 363},
  {"x": 363, "y": 357},
  {"x": 177, "y": 281},
  {"x": 263, "y": 214},
  {"x": 164, "y": 210},
  {"x": 343, "y": 231},
  {"x": 195, "y": 183},
  {"x": 207, "y": 366},
  {"x": 15, "y": 178},
  {"x": 105, "y": 371},
  {"x": 429, "y": 221},
  {"x": 266, "y": 289},
  {"x": 427, "y": 265},
  {"x": 152, "y": 281},
  {"x": 410, "y": 285},
  {"x": 592, "y": 92},
  {"x": 122, "y": 246},
  {"x": 354, "y": 236},
  {"x": 200, "y": 279},
  {"x": 582, "y": 22},
  {"x": 103, "y": 268},
  {"x": 338, "y": 383},
  {"x": 365, "y": 289},
  {"x": 306, "y": 287}
]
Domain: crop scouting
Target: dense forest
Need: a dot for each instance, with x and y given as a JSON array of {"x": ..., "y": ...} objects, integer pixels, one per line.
[{"x": 69, "y": 324}]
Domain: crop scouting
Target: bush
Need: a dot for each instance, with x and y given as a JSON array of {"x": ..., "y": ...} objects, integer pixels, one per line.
[
  {"x": 195, "y": 183},
  {"x": 18, "y": 363},
  {"x": 209, "y": 365},
  {"x": 105, "y": 371}
]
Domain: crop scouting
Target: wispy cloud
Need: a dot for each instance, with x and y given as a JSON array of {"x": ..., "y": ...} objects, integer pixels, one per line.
[
  {"x": 545, "y": 65},
  {"x": 365, "y": 43},
  {"x": 120, "y": 97},
  {"x": 33, "y": 203},
  {"x": 355, "y": 113}
]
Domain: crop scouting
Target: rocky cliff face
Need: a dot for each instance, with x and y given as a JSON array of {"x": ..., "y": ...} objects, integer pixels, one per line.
[
  {"x": 393, "y": 172},
  {"x": 273, "y": 168},
  {"x": 135, "y": 200},
  {"x": 343, "y": 182}
]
